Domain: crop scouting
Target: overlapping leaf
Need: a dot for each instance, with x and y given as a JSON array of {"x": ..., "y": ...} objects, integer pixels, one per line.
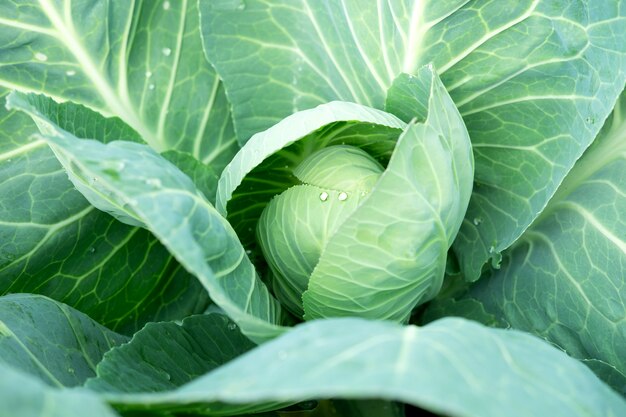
[
  {"x": 54, "y": 243},
  {"x": 22, "y": 395},
  {"x": 50, "y": 340},
  {"x": 525, "y": 75},
  {"x": 354, "y": 358},
  {"x": 135, "y": 184},
  {"x": 141, "y": 61},
  {"x": 564, "y": 279}
]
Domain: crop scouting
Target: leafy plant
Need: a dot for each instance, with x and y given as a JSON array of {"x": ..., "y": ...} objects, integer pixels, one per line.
[{"x": 194, "y": 196}]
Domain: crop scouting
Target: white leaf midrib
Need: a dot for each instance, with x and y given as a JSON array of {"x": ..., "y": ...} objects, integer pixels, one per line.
[{"x": 66, "y": 34}]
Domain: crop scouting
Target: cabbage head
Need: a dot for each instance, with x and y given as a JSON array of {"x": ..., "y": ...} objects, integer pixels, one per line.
[{"x": 353, "y": 209}]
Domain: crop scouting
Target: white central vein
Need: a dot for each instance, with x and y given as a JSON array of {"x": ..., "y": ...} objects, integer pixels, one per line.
[
  {"x": 115, "y": 105},
  {"x": 170, "y": 87}
]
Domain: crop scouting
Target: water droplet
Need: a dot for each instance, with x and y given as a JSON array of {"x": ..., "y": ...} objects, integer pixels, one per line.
[
  {"x": 492, "y": 249},
  {"x": 70, "y": 73},
  {"x": 155, "y": 182},
  {"x": 92, "y": 249},
  {"x": 151, "y": 86},
  {"x": 248, "y": 252},
  {"x": 343, "y": 196},
  {"x": 324, "y": 196},
  {"x": 41, "y": 57},
  {"x": 9, "y": 160},
  {"x": 590, "y": 120},
  {"x": 148, "y": 74},
  {"x": 241, "y": 6},
  {"x": 477, "y": 221},
  {"x": 232, "y": 326},
  {"x": 166, "y": 51},
  {"x": 166, "y": 5},
  {"x": 71, "y": 370}
]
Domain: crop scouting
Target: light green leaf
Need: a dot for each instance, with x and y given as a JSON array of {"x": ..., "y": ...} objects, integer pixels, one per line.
[
  {"x": 132, "y": 181},
  {"x": 390, "y": 254},
  {"x": 564, "y": 279},
  {"x": 21, "y": 395},
  {"x": 141, "y": 61},
  {"x": 48, "y": 231},
  {"x": 50, "y": 340},
  {"x": 533, "y": 79},
  {"x": 153, "y": 359},
  {"x": 355, "y": 358}
]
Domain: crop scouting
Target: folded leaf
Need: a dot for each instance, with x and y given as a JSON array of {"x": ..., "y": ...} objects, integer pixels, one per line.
[
  {"x": 136, "y": 184},
  {"x": 54, "y": 243}
]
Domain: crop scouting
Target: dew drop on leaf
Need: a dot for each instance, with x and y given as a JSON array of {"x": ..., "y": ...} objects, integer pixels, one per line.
[
  {"x": 324, "y": 196},
  {"x": 166, "y": 51},
  {"x": 232, "y": 326},
  {"x": 343, "y": 196},
  {"x": 92, "y": 249},
  {"x": 477, "y": 221},
  {"x": 151, "y": 86},
  {"x": 148, "y": 74},
  {"x": 41, "y": 57},
  {"x": 155, "y": 182},
  {"x": 70, "y": 73},
  {"x": 166, "y": 5}
]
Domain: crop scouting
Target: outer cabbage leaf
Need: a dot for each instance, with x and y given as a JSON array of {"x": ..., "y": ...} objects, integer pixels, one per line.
[
  {"x": 59, "y": 345},
  {"x": 533, "y": 79},
  {"x": 151, "y": 361},
  {"x": 21, "y": 395},
  {"x": 448, "y": 367},
  {"x": 48, "y": 231},
  {"x": 139, "y": 60},
  {"x": 136, "y": 184},
  {"x": 564, "y": 279}
]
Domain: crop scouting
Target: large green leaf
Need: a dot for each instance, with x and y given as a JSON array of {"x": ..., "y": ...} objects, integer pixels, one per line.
[
  {"x": 50, "y": 340},
  {"x": 139, "y": 60},
  {"x": 21, "y": 395},
  {"x": 533, "y": 79},
  {"x": 153, "y": 359},
  {"x": 54, "y": 243},
  {"x": 564, "y": 278},
  {"x": 136, "y": 184},
  {"x": 449, "y": 367}
]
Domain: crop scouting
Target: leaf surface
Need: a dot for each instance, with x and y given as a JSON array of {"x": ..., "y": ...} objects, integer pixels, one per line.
[
  {"x": 355, "y": 358},
  {"x": 139, "y": 60},
  {"x": 525, "y": 76},
  {"x": 163, "y": 356},
  {"x": 136, "y": 184},
  {"x": 564, "y": 279},
  {"x": 50, "y": 340},
  {"x": 54, "y": 243}
]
